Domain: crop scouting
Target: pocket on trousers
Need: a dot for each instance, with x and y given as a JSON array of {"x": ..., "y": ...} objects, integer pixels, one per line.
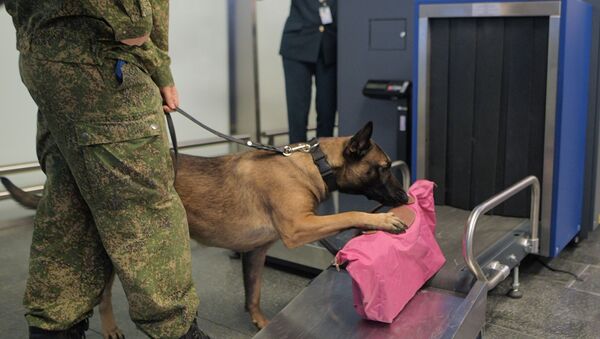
[
  {"x": 125, "y": 163},
  {"x": 132, "y": 76},
  {"x": 97, "y": 133},
  {"x": 137, "y": 8}
]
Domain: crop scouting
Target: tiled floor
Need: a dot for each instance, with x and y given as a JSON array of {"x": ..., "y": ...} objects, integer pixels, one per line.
[{"x": 554, "y": 305}]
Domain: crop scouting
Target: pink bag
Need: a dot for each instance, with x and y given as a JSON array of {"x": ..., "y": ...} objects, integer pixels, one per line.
[{"x": 387, "y": 269}]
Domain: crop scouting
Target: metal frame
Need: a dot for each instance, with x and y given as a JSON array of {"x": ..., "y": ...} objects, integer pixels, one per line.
[
  {"x": 551, "y": 9},
  {"x": 33, "y": 166},
  {"x": 405, "y": 171},
  {"x": 486, "y": 206},
  {"x": 490, "y": 9},
  {"x": 277, "y": 132}
]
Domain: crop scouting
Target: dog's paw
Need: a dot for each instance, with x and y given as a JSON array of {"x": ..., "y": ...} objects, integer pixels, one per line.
[
  {"x": 389, "y": 222},
  {"x": 260, "y": 324},
  {"x": 259, "y": 320},
  {"x": 114, "y": 333}
]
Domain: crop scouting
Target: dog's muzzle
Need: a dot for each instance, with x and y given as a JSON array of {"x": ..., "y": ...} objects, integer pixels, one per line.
[{"x": 384, "y": 195}]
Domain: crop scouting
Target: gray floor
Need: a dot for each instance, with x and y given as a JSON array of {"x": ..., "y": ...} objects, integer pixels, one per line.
[
  {"x": 218, "y": 280},
  {"x": 554, "y": 305}
]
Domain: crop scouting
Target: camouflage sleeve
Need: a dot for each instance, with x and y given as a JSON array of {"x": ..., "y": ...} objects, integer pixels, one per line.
[
  {"x": 128, "y": 18},
  {"x": 161, "y": 72}
]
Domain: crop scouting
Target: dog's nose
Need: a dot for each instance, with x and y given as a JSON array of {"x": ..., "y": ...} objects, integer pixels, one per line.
[{"x": 401, "y": 198}]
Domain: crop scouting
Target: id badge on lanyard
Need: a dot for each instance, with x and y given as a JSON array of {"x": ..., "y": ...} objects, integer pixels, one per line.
[{"x": 325, "y": 13}]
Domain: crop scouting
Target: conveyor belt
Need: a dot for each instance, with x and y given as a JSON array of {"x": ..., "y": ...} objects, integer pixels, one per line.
[
  {"x": 451, "y": 305},
  {"x": 325, "y": 310}
]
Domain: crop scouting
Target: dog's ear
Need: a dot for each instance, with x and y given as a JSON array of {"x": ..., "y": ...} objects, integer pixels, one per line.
[{"x": 360, "y": 143}]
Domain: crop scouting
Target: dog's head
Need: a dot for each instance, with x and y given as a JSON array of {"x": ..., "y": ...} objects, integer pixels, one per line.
[{"x": 366, "y": 170}]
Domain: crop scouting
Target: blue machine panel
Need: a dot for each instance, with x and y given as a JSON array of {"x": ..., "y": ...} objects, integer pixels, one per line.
[
  {"x": 572, "y": 105},
  {"x": 571, "y": 117}
]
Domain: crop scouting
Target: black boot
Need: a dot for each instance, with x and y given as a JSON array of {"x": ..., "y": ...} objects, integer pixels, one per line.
[
  {"x": 76, "y": 331},
  {"x": 195, "y": 333}
]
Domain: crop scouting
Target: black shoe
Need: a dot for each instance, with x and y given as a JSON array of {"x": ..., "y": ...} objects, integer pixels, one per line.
[
  {"x": 195, "y": 333},
  {"x": 76, "y": 331}
]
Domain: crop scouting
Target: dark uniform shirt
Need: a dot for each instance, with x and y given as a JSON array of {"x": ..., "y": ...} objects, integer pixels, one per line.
[
  {"x": 305, "y": 38},
  {"x": 89, "y": 31}
]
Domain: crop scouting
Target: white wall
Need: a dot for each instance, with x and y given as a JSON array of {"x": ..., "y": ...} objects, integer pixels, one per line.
[
  {"x": 200, "y": 65},
  {"x": 17, "y": 116},
  {"x": 198, "y": 38},
  {"x": 271, "y": 16}
]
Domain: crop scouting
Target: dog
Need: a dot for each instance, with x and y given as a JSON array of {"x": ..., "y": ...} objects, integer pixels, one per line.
[{"x": 246, "y": 201}]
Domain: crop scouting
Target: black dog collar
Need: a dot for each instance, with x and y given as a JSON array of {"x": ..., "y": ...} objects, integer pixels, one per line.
[{"x": 320, "y": 160}]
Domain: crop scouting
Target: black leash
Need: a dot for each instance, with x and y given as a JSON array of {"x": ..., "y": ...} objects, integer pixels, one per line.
[
  {"x": 173, "y": 140},
  {"x": 248, "y": 143},
  {"x": 312, "y": 147}
]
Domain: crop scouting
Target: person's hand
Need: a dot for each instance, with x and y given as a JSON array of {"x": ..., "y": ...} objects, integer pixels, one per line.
[
  {"x": 170, "y": 98},
  {"x": 136, "y": 41}
]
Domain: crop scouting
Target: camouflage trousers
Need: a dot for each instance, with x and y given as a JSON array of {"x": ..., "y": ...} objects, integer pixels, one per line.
[{"x": 109, "y": 202}]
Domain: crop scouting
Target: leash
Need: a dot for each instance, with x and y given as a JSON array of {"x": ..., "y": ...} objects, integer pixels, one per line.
[
  {"x": 249, "y": 143},
  {"x": 173, "y": 140},
  {"x": 312, "y": 147}
]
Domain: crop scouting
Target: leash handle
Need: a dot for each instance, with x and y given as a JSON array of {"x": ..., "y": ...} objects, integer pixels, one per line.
[{"x": 173, "y": 140}]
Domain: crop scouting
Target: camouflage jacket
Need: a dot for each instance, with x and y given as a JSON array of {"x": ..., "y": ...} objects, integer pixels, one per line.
[{"x": 89, "y": 31}]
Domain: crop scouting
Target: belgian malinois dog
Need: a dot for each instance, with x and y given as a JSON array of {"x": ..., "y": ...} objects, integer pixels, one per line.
[{"x": 247, "y": 201}]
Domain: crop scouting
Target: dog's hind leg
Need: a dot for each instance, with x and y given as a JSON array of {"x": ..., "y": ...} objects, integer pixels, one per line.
[
  {"x": 110, "y": 330},
  {"x": 253, "y": 263}
]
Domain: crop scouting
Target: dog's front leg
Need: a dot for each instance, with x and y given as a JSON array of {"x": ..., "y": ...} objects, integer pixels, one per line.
[
  {"x": 296, "y": 232},
  {"x": 252, "y": 266},
  {"x": 110, "y": 330}
]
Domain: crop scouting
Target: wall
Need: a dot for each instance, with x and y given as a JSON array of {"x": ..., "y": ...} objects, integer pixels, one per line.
[
  {"x": 200, "y": 65},
  {"x": 270, "y": 18},
  {"x": 18, "y": 117}
]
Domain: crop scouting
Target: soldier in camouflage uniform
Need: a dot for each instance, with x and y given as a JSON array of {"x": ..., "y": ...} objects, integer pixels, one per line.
[{"x": 109, "y": 201}]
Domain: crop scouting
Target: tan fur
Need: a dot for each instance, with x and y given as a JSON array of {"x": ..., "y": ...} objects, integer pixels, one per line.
[
  {"x": 110, "y": 330},
  {"x": 247, "y": 201}
]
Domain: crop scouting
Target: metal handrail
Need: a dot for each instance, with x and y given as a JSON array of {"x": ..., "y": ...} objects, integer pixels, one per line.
[
  {"x": 210, "y": 141},
  {"x": 277, "y": 132},
  {"x": 271, "y": 134},
  {"x": 18, "y": 168},
  {"x": 31, "y": 166},
  {"x": 405, "y": 170},
  {"x": 32, "y": 189},
  {"x": 486, "y": 206}
]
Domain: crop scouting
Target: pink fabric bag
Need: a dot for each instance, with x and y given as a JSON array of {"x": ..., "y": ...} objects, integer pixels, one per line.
[{"x": 388, "y": 269}]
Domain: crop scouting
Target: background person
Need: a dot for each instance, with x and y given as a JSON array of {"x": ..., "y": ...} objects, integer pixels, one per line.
[{"x": 309, "y": 49}]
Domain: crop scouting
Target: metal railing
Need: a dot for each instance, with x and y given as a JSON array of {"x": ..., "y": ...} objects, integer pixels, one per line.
[
  {"x": 210, "y": 141},
  {"x": 405, "y": 171},
  {"x": 277, "y": 132},
  {"x": 20, "y": 168},
  {"x": 502, "y": 271},
  {"x": 34, "y": 166}
]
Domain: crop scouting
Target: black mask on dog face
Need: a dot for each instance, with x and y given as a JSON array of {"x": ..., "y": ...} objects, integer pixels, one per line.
[
  {"x": 387, "y": 189},
  {"x": 367, "y": 171}
]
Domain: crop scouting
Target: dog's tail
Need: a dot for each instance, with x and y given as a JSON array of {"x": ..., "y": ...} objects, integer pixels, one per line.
[{"x": 26, "y": 199}]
